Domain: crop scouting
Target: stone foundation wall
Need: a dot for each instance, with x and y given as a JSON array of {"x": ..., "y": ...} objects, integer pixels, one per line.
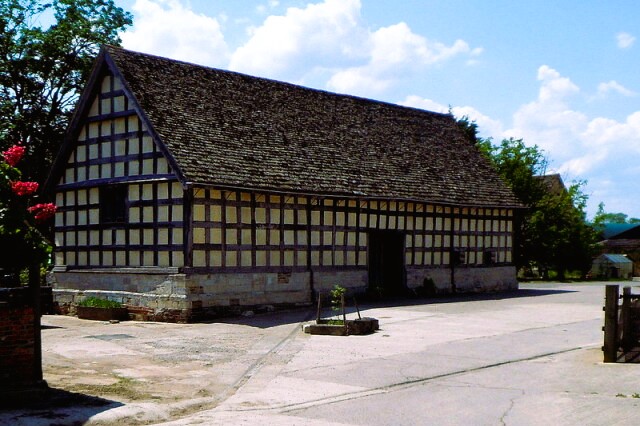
[
  {"x": 174, "y": 297},
  {"x": 466, "y": 279},
  {"x": 488, "y": 279},
  {"x": 177, "y": 297}
]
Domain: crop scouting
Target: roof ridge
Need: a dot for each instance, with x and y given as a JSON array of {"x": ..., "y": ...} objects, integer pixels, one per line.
[{"x": 273, "y": 80}]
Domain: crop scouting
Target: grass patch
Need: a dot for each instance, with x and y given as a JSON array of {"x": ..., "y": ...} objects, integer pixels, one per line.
[
  {"x": 124, "y": 388},
  {"x": 96, "y": 302}
]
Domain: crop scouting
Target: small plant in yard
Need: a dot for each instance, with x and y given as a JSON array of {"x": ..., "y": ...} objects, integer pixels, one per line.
[
  {"x": 337, "y": 294},
  {"x": 96, "y": 302}
]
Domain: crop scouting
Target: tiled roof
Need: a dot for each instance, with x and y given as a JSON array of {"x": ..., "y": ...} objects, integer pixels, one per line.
[
  {"x": 229, "y": 129},
  {"x": 621, "y": 231},
  {"x": 553, "y": 183}
]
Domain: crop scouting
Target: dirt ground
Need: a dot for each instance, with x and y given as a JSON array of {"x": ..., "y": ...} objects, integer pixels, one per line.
[{"x": 132, "y": 368}]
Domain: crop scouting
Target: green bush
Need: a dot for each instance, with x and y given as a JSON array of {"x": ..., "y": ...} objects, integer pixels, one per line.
[{"x": 96, "y": 302}]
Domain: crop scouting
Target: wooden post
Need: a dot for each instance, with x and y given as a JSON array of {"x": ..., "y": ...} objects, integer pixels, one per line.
[
  {"x": 625, "y": 318},
  {"x": 355, "y": 302},
  {"x": 34, "y": 286},
  {"x": 319, "y": 307},
  {"x": 344, "y": 313},
  {"x": 611, "y": 323}
]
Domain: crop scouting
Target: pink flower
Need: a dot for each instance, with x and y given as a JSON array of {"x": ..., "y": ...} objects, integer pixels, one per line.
[
  {"x": 43, "y": 212},
  {"x": 13, "y": 155},
  {"x": 24, "y": 188}
]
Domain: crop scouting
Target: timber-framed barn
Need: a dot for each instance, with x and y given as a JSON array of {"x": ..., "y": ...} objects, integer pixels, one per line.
[{"x": 185, "y": 191}]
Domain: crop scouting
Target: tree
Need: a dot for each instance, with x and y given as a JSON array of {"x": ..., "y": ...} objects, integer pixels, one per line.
[
  {"x": 468, "y": 126},
  {"x": 603, "y": 217},
  {"x": 552, "y": 233},
  {"x": 560, "y": 237},
  {"x": 43, "y": 69}
]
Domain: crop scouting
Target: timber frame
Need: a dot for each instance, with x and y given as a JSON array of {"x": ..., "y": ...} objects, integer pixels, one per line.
[{"x": 187, "y": 211}]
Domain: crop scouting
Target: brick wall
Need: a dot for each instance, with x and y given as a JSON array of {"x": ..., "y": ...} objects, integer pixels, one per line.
[{"x": 17, "y": 340}]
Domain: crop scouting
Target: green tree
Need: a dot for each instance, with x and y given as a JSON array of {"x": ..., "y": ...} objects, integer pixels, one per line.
[
  {"x": 468, "y": 126},
  {"x": 552, "y": 233},
  {"x": 560, "y": 238},
  {"x": 43, "y": 68},
  {"x": 603, "y": 217}
]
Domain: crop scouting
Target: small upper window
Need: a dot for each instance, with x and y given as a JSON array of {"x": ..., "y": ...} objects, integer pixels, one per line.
[{"x": 113, "y": 204}]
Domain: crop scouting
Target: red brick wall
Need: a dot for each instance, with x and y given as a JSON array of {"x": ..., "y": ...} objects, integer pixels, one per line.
[{"x": 17, "y": 340}]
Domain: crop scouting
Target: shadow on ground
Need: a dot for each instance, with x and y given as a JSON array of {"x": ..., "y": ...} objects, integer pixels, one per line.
[
  {"x": 467, "y": 297},
  {"x": 274, "y": 319},
  {"x": 56, "y": 407}
]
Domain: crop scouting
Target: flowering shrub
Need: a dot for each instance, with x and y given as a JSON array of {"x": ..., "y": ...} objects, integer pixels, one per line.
[
  {"x": 13, "y": 155},
  {"x": 42, "y": 212},
  {"x": 24, "y": 188},
  {"x": 22, "y": 242}
]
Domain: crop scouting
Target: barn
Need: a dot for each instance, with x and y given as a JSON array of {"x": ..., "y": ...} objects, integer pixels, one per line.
[{"x": 186, "y": 191}]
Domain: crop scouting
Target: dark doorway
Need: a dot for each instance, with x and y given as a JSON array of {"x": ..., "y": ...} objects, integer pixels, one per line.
[{"x": 386, "y": 263}]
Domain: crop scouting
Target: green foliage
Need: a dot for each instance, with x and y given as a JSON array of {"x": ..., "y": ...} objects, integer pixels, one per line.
[
  {"x": 559, "y": 236},
  {"x": 468, "y": 127},
  {"x": 518, "y": 165},
  {"x": 96, "y": 302},
  {"x": 337, "y": 294},
  {"x": 603, "y": 217},
  {"x": 43, "y": 68},
  {"x": 552, "y": 233}
]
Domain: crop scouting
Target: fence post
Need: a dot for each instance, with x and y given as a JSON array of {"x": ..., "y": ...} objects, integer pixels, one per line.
[
  {"x": 625, "y": 318},
  {"x": 611, "y": 323}
]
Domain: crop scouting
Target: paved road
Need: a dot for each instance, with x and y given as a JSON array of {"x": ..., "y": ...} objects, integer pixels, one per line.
[
  {"x": 528, "y": 358},
  {"x": 534, "y": 359}
]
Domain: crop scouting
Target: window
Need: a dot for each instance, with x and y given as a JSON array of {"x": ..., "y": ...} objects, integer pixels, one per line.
[
  {"x": 488, "y": 258},
  {"x": 113, "y": 204}
]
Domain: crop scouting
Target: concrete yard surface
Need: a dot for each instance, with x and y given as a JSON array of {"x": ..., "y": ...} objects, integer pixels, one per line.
[{"x": 530, "y": 357}]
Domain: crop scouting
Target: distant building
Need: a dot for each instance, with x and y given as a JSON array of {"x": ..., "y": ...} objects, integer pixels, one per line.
[
  {"x": 553, "y": 183},
  {"x": 185, "y": 191},
  {"x": 612, "y": 266},
  {"x": 622, "y": 238}
]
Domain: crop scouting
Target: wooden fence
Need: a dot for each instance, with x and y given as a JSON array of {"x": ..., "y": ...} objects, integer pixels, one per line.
[{"x": 621, "y": 325}]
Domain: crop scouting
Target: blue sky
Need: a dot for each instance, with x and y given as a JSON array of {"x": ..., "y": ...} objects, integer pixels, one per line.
[{"x": 562, "y": 75}]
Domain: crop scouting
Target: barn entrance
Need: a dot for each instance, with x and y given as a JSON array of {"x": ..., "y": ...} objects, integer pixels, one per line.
[{"x": 386, "y": 263}]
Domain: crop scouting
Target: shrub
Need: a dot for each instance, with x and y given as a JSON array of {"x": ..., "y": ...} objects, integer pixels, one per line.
[{"x": 96, "y": 302}]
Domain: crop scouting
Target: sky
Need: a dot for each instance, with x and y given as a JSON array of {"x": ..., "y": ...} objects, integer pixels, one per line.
[{"x": 563, "y": 75}]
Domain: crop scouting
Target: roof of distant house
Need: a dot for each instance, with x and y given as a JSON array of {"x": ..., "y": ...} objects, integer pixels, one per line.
[
  {"x": 621, "y": 231},
  {"x": 615, "y": 258},
  {"x": 553, "y": 183}
]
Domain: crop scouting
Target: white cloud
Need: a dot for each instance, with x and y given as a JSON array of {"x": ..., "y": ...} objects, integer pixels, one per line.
[
  {"x": 487, "y": 126},
  {"x": 305, "y": 38},
  {"x": 169, "y": 28},
  {"x": 625, "y": 40},
  {"x": 614, "y": 86},
  {"x": 554, "y": 86},
  {"x": 415, "y": 101},
  {"x": 329, "y": 38},
  {"x": 549, "y": 122},
  {"x": 394, "y": 51},
  {"x": 598, "y": 149}
]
